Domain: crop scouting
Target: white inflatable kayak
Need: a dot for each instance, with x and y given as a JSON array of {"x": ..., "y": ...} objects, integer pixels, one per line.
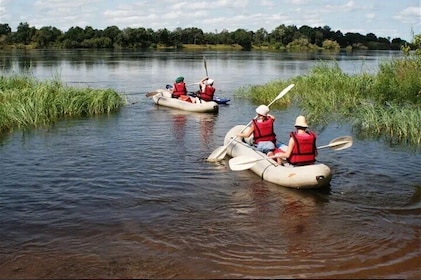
[
  {"x": 163, "y": 98},
  {"x": 300, "y": 177}
]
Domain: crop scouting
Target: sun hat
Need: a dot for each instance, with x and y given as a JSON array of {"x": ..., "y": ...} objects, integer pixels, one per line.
[
  {"x": 209, "y": 81},
  {"x": 262, "y": 110},
  {"x": 301, "y": 122},
  {"x": 179, "y": 79}
]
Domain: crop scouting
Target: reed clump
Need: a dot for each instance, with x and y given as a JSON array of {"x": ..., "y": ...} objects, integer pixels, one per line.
[
  {"x": 26, "y": 102},
  {"x": 383, "y": 104},
  {"x": 264, "y": 94}
]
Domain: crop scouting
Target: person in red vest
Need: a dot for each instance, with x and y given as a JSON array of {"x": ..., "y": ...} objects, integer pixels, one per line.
[
  {"x": 262, "y": 129},
  {"x": 302, "y": 148},
  {"x": 179, "y": 89},
  {"x": 207, "y": 90}
]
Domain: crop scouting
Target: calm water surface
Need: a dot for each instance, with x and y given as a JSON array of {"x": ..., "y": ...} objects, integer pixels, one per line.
[{"x": 130, "y": 195}]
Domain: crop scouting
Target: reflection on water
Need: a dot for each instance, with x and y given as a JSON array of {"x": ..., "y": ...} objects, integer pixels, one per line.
[{"x": 130, "y": 195}]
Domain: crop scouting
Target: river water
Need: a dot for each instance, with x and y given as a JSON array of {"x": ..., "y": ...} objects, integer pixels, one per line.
[{"x": 130, "y": 195}]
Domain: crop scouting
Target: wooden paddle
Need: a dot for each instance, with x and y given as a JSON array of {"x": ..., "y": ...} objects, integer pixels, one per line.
[
  {"x": 219, "y": 153},
  {"x": 246, "y": 162}
]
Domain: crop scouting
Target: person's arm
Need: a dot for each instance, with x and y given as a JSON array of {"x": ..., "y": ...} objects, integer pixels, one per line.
[
  {"x": 247, "y": 132},
  {"x": 202, "y": 84},
  {"x": 288, "y": 152}
]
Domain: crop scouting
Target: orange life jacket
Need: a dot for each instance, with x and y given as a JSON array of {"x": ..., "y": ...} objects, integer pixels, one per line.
[
  {"x": 304, "y": 151},
  {"x": 263, "y": 131}
]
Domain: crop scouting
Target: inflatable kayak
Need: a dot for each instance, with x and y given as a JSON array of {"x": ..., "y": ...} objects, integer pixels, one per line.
[
  {"x": 221, "y": 100},
  {"x": 163, "y": 97},
  {"x": 300, "y": 177}
]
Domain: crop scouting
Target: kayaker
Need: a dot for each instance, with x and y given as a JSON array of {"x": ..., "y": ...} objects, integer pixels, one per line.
[
  {"x": 302, "y": 148},
  {"x": 179, "y": 88},
  {"x": 207, "y": 90},
  {"x": 261, "y": 127}
]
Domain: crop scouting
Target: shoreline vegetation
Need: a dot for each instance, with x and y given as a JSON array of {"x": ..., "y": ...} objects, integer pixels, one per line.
[
  {"x": 283, "y": 37},
  {"x": 26, "y": 102},
  {"x": 384, "y": 105}
]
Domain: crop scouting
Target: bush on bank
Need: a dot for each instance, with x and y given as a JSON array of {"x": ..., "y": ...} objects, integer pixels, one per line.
[{"x": 26, "y": 102}]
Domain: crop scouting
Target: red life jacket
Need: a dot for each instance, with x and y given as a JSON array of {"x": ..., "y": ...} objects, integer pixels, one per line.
[
  {"x": 179, "y": 89},
  {"x": 304, "y": 151},
  {"x": 263, "y": 131},
  {"x": 207, "y": 95}
]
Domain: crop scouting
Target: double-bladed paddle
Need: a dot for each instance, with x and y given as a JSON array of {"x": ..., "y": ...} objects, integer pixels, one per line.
[
  {"x": 219, "y": 153},
  {"x": 246, "y": 162}
]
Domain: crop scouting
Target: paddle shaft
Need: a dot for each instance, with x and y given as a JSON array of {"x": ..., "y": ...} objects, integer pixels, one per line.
[{"x": 206, "y": 68}]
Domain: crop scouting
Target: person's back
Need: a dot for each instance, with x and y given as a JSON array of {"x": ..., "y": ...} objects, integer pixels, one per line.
[
  {"x": 301, "y": 148},
  {"x": 262, "y": 129},
  {"x": 208, "y": 91},
  {"x": 179, "y": 88},
  {"x": 304, "y": 150}
]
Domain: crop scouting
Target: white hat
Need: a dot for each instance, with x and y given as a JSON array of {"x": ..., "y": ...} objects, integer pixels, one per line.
[
  {"x": 301, "y": 121},
  {"x": 262, "y": 110},
  {"x": 209, "y": 81}
]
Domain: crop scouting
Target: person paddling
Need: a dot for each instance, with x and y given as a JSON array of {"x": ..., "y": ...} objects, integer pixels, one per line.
[
  {"x": 302, "y": 148},
  {"x": 207, "y": 90},
  {"x": 262, "y": 129}
]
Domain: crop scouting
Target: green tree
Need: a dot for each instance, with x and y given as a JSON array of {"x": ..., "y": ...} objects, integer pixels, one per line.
[
  {"x": 260, "y": 37},
  {"x": 46, "y": 36},
  {"x": 5, "y": 29},
  {"x": 111, "y": 32},
  {"x": 243, "y": 38},
  {"x": 24, "y": 34}
]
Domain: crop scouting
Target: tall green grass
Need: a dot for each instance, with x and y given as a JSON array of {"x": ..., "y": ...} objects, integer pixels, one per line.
[
  {"x": 383, "y": 104},
  {"x": 26, "y": 102}
]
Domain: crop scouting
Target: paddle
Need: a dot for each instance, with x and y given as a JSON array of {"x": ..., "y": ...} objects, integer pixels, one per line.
[
  {"x": 246, "y": 162},
  {"x": 152, "y": 93},
  {"x": 206, "y": 68},
  {"x": 219, "y": 153}
]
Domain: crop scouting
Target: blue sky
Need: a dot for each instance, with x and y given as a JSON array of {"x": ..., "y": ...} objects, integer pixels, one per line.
[{"x": 384, "y": 18}]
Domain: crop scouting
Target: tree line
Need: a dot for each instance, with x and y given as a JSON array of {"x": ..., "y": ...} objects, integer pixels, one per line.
[{"x": 282, "y": 37}]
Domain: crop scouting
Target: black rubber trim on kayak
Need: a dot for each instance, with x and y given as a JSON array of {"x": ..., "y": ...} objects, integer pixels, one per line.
[
  {"x": 265, "y": 171},
  {"x": 157, "y": 101}
]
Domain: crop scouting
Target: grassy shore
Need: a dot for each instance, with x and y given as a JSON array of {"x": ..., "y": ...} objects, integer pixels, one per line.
[
  {"x": 387, "y": 104},
  {"x": 26, "y": 102}
]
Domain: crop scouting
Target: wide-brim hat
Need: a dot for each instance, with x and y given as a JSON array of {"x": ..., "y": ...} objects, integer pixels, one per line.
[
  {"x": 209, "y": 81},
  {"x": 262, "y": 110},
  {"x": 301, "y": 122}
]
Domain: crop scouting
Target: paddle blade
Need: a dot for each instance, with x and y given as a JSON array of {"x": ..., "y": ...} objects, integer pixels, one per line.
[
  {"x": 282, "y": 93},
  {"x": 218, "y": 154},
  {"x": 241, "y": 163},
  {"x": 339, "y": 143},
  {"x": 152, "y": 93}
]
